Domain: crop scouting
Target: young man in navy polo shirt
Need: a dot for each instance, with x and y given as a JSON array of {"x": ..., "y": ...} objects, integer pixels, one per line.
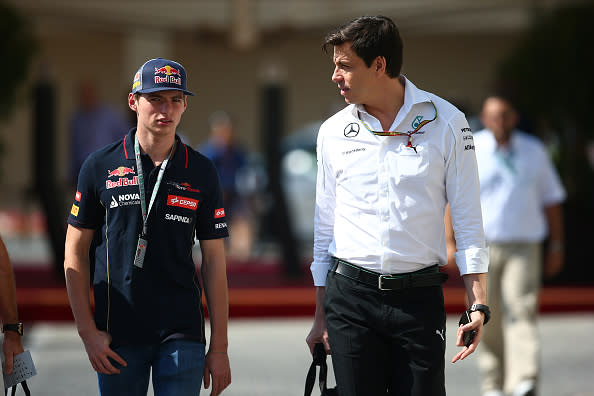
[{"x": 139, "y": 206}]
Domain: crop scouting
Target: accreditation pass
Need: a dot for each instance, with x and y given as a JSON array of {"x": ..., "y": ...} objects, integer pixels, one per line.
[{"x": 140, "y": 251}]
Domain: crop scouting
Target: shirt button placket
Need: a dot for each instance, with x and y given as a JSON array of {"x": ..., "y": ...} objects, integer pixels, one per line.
[{"x": 383, "y": 205}]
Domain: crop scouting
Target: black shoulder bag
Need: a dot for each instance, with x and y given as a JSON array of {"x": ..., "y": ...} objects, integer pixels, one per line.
[{"x": 319, "y": 359}]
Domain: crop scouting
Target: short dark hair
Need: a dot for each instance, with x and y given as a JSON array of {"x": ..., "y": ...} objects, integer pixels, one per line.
[{"x": 371, "y": 36}]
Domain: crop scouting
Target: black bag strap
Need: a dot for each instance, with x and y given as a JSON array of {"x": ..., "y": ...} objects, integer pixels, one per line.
[
  {"x": 25, "y": 389},
  {"x": 319, "y": 359}
]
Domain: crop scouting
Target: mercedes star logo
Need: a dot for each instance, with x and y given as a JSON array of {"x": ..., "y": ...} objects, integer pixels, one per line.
[{"x": 351, "y": 130}]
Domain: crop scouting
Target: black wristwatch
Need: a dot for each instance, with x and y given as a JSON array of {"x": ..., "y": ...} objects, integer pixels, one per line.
[
  {"x": 482, "y": 308},
  {"x": 16, "y": 327}
]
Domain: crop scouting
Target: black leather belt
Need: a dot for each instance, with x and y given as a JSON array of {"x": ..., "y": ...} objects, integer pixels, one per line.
[{"x": 430, "y": 276}]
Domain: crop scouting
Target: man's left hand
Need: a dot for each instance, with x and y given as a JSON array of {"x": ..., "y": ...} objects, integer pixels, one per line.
[
  {"x": 476, "y": 325},
  {"x": 218, "y": 369}
]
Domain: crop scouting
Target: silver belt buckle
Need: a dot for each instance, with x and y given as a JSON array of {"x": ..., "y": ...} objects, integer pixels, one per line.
[{"x": 379, "y": 282}]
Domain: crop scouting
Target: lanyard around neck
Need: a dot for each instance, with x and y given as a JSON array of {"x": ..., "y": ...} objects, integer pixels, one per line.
[
  {"x": 146, "y": 212},
  {"x": 396, "y": 133}
]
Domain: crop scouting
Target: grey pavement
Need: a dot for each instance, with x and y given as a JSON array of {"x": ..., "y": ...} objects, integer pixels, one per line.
[{"x": 269, "y": 358}]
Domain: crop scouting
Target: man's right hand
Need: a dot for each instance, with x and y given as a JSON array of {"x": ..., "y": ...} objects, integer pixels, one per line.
[
  {"x": 97, "y": 345},
  {"x": 318, "y": 334},
  {"x": 319, "y": 331}
]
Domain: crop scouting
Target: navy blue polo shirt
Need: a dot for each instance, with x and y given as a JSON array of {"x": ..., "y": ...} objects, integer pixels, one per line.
[{"x": 162, "y": 299}]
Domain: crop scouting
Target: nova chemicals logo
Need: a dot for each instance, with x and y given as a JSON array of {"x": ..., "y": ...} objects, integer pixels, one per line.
[
  {"x": 125, "y": 200},
  {"x": 351, "y": 130}
]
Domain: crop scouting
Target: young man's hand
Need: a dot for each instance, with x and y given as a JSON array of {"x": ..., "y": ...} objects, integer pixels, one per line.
[
  {"x": 218, "y": 369},
  {"x": 97, "y": 346}
]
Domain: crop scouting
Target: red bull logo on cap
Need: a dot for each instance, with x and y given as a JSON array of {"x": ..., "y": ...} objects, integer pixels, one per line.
[
  {"x": 170, "y": 75},
  {"x": 167, "y": 70},
  {"x": 120, "y": 171}
]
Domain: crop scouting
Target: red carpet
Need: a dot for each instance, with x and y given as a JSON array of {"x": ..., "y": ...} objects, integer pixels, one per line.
[{"x": 261, "y": 290}]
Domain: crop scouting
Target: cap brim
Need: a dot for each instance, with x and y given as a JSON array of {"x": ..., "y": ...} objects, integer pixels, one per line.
[{"x": 151, "y": 90}]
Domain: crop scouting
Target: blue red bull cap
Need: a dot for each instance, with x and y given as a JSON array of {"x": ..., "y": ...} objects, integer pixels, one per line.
[{"x": 160, "y": 75}]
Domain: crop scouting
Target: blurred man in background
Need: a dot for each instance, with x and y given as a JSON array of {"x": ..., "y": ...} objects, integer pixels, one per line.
[
  {"x": 93, "y": 125},
  {"x": 230, "y": 159},
  {"x": 521, "y": 197}
]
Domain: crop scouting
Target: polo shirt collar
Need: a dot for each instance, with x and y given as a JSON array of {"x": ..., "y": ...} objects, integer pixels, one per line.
[
  {"x": 128, "y": 144},
  {"x": 180, "y": 156}
]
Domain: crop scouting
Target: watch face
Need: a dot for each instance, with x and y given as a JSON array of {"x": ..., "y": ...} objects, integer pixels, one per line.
[
  {"x": 482, "y": 308},
  {"x": 479, "y": 307},
  {"x": 16, "y": 327}
]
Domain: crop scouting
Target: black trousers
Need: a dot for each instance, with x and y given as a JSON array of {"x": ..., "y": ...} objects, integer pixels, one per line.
[{"x": 385, "y": 342}]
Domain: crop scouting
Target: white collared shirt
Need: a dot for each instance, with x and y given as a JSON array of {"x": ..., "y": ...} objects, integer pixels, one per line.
[
  {"x": 380, "y": 204},
  {"x": 517, "y": 183}
]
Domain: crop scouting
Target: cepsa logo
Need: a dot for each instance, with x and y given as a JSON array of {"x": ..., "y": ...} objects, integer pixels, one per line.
[
  {"x": 218, "y": 213},
  {"x": 78, "y": 196},
  {"x": 182, "y": 202}
]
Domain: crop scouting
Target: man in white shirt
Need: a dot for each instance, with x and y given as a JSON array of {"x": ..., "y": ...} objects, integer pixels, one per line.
[
  {"x": 387, "y": 166},
  {"x": 521, "y": 198}
]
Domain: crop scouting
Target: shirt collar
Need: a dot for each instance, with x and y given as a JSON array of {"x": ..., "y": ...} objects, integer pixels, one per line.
[
  {"x": 412, "y": 96},
  {"x": 513, "y": 141}
]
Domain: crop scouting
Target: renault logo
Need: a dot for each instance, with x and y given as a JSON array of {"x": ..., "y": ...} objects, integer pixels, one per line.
[{"x": 351, "y": 130}]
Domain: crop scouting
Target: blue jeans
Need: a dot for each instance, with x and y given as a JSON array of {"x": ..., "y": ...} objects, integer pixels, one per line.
[{"x": 177, "y": 369}]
